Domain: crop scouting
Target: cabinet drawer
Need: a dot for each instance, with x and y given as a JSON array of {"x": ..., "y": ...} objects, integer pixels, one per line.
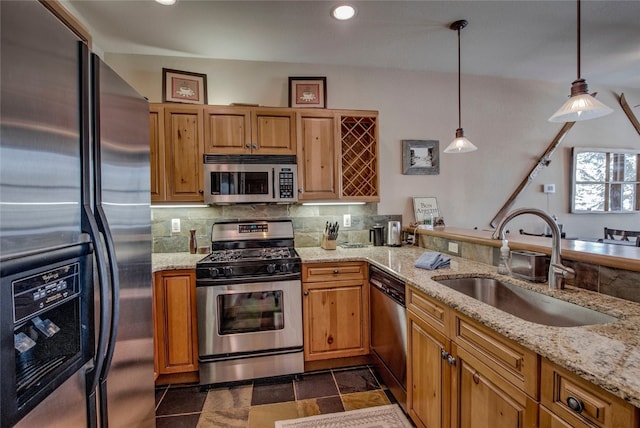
[
  {"x": 518, "y": 365},
  {"x": 428, "y": 309},
  {"x": 592, "y": 406},
  {"x": 322, "y": 272}
]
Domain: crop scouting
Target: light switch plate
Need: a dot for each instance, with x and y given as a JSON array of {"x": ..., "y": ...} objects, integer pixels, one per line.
[
  {"x": 549, "y": 188},
  {"x": 175, "y": 225},
  {"x": 453, "y": 247},
  {"x": 346, "y": 220}
]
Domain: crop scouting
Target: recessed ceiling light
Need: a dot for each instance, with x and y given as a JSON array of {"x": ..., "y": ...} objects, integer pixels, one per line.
[
  {"x": 343, "y": 12},
  {"x": 167, "y": 2}
]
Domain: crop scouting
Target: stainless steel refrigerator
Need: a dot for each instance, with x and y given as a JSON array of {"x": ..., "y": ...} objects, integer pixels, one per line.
[{"x": 76, "y": 338}]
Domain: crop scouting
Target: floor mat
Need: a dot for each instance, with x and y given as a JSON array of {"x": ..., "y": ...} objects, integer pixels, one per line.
[{"x": 390, "y": 416}]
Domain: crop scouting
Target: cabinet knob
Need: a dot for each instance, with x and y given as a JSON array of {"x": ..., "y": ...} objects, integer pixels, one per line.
[
  {"x": 336, "y": 271},
  {"x": 476, "y": 378},
  {"x": 254, "y": 146},
  {"x": 248, "y": 146},
  {"x": 451, "y": 360},
  {"x": 330, "y": 340},
  {"x": 575, "y": 404},
  {"x": 444, "y": 354},
  {"x": 306, "y": 292}
]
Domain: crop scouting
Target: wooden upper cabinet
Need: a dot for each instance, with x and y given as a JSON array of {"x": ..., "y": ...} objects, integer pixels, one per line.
[
  {"x": 227, "y": 130},
  {"x": 183, "y": 153},
  {"x": 338, "y": 155},
  {"x": 157, "y": 152},
  {"x": 247, "y": 130},
  {"x": 359, "y": 156},
  {"x": 317, "y": 155},
  {"x": 273, "y": 131}
]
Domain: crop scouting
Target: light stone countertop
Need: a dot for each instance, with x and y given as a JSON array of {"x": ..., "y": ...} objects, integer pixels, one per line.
[{"x": 607, "y": 355}]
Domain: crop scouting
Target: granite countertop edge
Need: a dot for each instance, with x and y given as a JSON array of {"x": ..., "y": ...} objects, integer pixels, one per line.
[{"x": 607, "y": 355}]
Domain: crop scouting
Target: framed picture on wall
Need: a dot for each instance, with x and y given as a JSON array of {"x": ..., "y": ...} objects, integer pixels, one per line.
[
  {"x": 308, "y": 92},
  {"x": 420, "y": 157},
  {"x": 184, "y": 87}
]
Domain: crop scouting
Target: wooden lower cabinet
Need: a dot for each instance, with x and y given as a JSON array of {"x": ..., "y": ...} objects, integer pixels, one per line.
[
  {"x": 449, "y": 385},
  {"x": 484, "y": 399},
  {"x": 176, "y": 324},
  {"x": 335, "y": 307},
  {"x": 569, "y": 400},
  {"x": 429, "y": 380}
]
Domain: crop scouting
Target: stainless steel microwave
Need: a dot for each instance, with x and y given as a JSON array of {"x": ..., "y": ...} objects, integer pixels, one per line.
[{"x": 250, "y": 179}]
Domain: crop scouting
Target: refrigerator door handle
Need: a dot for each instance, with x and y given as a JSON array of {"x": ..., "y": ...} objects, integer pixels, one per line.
[
  {"x": 115, "y": 311},
  {"x": 92, "y": 374},
  {"x": 89, "y": 225}
]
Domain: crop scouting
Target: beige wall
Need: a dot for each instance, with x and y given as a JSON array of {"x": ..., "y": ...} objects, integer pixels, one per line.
[{"x": 506, "y": 119}]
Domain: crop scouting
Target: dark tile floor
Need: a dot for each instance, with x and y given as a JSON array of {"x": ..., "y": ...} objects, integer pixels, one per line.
[{"x": 260, "y": 403}]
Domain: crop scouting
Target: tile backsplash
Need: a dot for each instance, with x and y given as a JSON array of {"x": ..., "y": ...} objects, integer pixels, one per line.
[{"x": 308, "y": 222}]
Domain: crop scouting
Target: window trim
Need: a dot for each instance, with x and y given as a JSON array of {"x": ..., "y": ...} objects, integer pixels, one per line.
[{"x": 607, "y": 181}]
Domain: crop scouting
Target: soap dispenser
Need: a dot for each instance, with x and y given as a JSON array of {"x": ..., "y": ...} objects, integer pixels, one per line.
[{"x": 504, "y": 266}]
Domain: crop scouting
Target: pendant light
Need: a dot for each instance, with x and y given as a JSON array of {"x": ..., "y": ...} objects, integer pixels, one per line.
[
  {"x": 580, "y": 105},
  {"x": 460, "y": 144}
]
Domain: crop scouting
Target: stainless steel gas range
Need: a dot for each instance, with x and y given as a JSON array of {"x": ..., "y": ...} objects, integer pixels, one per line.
[{"x": 249, "y": 297}]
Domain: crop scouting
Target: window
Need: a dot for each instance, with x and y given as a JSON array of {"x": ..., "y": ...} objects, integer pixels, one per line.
[{"x": 605, "y": 180}]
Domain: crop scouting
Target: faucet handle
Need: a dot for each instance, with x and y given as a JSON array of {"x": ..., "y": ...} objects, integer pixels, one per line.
[{"x": 565, "y": 271}]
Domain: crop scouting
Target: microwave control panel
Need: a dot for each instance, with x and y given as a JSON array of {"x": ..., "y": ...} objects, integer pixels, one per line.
[{"x": 285, "y": 179}]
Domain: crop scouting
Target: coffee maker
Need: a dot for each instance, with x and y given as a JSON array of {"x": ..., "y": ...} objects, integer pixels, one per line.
[{"x": 376, "y": 235}]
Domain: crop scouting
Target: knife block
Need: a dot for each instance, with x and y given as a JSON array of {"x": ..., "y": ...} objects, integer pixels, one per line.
[{"x": 327, "y": 244}]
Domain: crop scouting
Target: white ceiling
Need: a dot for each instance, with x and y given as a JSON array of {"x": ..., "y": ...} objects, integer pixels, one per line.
[{"x": 514, "y": 39}]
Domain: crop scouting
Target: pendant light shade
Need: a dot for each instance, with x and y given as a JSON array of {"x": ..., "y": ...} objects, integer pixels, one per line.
[
  {"x": 460, "y": 144},
  {"x": 580, "y": 105}
]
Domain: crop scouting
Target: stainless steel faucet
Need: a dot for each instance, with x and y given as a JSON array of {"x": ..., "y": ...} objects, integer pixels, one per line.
[{"x": 557, "y": 271}]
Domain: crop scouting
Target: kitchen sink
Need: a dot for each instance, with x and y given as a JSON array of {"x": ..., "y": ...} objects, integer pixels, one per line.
[{"x": 526, "y": 304}]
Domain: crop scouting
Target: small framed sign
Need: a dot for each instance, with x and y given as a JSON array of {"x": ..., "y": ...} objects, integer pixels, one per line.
[
  {"x": 308, "y": 92},
  {"x": 184, "y": 87},
  {"x": 423, "y": 207},
  {"x": 420, "y": 157}
]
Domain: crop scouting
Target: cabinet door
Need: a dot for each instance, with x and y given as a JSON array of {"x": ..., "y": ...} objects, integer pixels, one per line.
[
  {"x": 183, "y": 153},
  {"x": 157, "y": 161},
  {"x": 336, "y": 319},
  {"x": 317, "y": 156},
  {"x": 273, "y": 131},
  {"x": 359, "y": 156},
  {"x": 483, "y": 399},
  {"x": 227, "y": 130},
  {"x": 176, "y": 328},
  {"x": 428, "y": 374}
]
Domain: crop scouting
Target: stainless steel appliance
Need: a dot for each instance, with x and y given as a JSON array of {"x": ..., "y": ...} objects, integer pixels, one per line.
[
  {"x": 250, "y": 179},
  {"x": 249, "y": 299},
  {"x": 389, "y": 331},
  {"x": 394, "y": 232},
  {"x": 75, "y": 248}
]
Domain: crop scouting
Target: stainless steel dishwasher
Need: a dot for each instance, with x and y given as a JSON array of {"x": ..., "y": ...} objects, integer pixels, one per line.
[{"x": 389, "y": 331}]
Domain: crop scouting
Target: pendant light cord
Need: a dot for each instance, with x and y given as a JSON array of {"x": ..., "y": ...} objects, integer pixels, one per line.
[
  {"x": 459, "y": 97},
  {"x": 577, "y": 38}
]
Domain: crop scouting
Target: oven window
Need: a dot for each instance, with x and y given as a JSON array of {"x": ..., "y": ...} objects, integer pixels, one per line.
[{"x": 250, "y": 312}]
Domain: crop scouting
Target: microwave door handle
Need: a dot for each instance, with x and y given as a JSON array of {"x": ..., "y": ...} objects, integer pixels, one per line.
[{"x": 273, "y": 183}]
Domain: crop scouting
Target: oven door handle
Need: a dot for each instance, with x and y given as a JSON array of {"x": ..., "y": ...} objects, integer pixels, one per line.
[{"x": 220, "y": 282}]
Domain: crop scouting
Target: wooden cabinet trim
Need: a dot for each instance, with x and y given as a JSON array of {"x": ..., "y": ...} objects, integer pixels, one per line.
[
  {"x": 601, "y": 408},
  {"x": 334, "y": 272},
  {"x": 518, "y": 364},
  {"x": 428, "y": 309}
]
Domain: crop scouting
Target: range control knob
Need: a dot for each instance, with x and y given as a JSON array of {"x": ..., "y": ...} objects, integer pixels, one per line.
[
  {"x": 271, "y": 268},
  {"x": 284, "y": 267},
  {"x": 228, "y": 271},
  {"x": 213, "y": 272}
]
